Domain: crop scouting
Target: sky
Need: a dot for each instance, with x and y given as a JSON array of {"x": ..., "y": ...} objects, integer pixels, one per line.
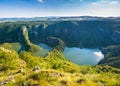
[{"x": 43, "y": 8}]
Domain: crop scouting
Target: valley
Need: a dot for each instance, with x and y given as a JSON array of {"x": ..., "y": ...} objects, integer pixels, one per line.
[{"x": 51, "y": 52}]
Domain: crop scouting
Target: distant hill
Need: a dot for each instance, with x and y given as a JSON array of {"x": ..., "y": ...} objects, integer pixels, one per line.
[{"x": 55, "y": 18}]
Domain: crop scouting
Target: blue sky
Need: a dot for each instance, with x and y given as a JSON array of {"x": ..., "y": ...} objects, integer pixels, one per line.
[{"x": 40, "y": 8}]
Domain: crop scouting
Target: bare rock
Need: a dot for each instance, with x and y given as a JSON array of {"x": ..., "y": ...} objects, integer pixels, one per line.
[{"x": 36, "y": 69}]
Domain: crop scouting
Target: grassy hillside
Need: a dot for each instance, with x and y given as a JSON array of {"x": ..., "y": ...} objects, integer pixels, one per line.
[{"x": 28, "y": 70}]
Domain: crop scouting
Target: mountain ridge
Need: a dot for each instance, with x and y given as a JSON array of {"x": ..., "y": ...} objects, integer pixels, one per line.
[{"x": 58, "y": 18}]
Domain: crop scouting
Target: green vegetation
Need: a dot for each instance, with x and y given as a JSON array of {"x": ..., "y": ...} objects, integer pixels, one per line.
[
  {"x": 16, "y": 46},
  {"x": 23, "y": 68},
  {"x": 112, "y": 56},
  {"x": 57, "y": 61},
  {"x": 84, "y": 34},
  {"x": 9, "y": 59},
  {"x": 24, "y": 39},
  {"x": 56, "y": 43},
  {"x": 54, "y": 69},
  {"x": 33, "y": 61},
  {"x": 6, "y": 45}
]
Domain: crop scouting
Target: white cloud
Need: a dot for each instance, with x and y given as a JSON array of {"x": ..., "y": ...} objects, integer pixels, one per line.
[
  {"x": 114, "y": 2},
  {"x": 105, "y": 2},
  {"x": 41, "y": 1}
]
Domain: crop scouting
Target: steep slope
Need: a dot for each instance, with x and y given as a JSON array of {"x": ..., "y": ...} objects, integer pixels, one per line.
[
  {"x": 9, "y": 59},
  {"x": 83, "y": 34},
  {"x": 112, "y": 56},
  {"x": 89, "y": 34},
  {"x": 24, "y": 40}
]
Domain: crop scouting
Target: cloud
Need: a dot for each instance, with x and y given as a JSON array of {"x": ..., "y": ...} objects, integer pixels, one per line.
[
  {"x": 41, "y": 1},
  {"x": 114, "y": 2},
  {"x": 105, "y": 2},
  {"x": 94, "y": 3}
]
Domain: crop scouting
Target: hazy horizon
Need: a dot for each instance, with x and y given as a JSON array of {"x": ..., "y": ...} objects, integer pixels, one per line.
[
  {"x": 59, "y": 16},
  {"x": 47, "y": 8}
]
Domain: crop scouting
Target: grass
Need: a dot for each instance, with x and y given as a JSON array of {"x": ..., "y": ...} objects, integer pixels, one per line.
[
  {"x": 54, "y": 70},
  {"x": 50, "y": 77},
  {"x": 16, "y": 46}
]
